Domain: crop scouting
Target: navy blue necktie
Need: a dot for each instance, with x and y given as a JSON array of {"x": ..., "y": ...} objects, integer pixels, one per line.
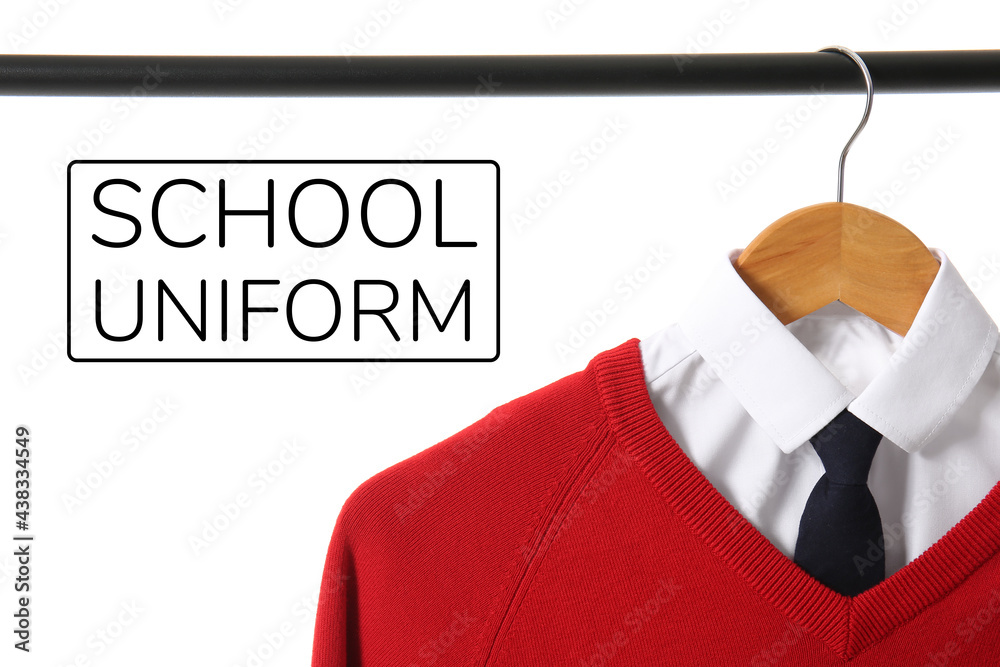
[{"x": 840, "y": 540}]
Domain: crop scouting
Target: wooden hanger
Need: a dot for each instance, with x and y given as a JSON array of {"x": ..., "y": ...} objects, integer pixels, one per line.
[{"x": 835, "y": 251}]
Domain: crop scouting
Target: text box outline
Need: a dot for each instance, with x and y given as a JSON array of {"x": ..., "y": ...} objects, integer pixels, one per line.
[{"x": 69, "y": 274}]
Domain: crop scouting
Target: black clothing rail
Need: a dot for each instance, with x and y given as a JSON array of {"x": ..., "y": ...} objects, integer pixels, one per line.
[{"x": 610, "y": 74}]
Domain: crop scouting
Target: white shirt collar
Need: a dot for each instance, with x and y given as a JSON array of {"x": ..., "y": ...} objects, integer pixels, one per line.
[{"x": 792, "y": 395}]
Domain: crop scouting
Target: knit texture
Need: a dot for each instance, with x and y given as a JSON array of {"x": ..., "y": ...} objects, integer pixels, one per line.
[{"x": 567, "y": 527}]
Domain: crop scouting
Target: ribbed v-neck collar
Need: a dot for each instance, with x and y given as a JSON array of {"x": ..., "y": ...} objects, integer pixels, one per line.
[{"x": 847, "y": 625}]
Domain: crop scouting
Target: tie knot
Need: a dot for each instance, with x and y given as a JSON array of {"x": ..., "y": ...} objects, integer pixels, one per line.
[{"x": 846, "y": 446}]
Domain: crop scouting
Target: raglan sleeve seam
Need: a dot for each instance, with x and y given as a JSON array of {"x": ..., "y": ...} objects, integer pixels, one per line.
[{"x": 558, "y": 500}]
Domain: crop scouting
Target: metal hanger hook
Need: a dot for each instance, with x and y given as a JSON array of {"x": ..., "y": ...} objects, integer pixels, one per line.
[{"x": 864, "y": 119}]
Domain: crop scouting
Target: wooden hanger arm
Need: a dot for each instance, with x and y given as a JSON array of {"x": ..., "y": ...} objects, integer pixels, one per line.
[{"x": 836, "y": 251}]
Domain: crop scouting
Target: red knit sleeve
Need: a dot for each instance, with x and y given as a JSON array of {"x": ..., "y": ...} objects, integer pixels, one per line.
[
  {"x": 427, "y": 554},
  {"x": 336, "y": 617}
]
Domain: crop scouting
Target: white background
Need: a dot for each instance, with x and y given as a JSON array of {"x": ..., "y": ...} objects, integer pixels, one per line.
[{"x": 652, "y": 190}]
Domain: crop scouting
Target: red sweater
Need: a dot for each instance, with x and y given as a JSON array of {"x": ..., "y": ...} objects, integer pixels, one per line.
[{"x": 567, "y": 527}]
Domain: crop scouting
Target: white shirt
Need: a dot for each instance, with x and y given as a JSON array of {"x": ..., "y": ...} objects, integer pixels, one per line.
[{"x": 742, "y": 395}]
